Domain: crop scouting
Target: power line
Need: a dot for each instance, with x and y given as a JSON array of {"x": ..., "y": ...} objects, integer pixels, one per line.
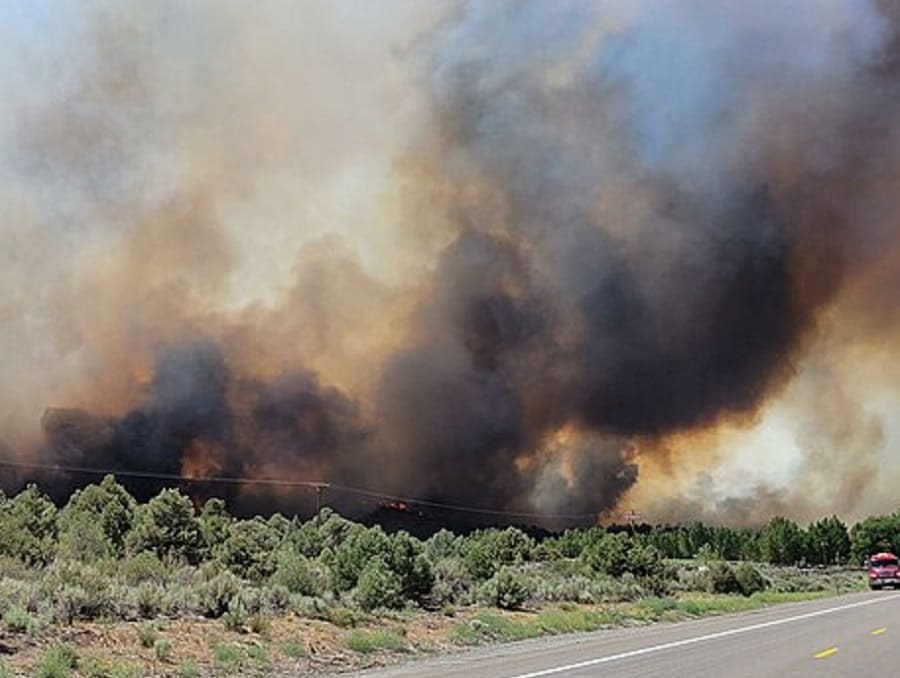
[
  {"x": 462, "y": 508},
  {"x": 316, "y": 485},
  {"x": 235, "y": 480}
]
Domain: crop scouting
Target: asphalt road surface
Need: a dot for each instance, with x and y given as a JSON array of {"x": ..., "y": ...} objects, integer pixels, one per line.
[{"x": 852, "y": 635}]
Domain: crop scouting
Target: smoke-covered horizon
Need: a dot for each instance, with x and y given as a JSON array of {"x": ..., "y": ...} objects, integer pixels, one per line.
[{"x": 541, "y": 257}]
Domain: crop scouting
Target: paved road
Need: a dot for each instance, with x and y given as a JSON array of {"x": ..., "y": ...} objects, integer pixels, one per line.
[{"x": 854, "y": 635}]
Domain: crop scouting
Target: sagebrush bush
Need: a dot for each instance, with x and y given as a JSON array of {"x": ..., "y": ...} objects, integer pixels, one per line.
[
  {"x": 215, "y": 595},
  {"x": 143, "y": 567},
  {"x": 506, "y": 589},
  {"x": 277, "y": 598},
  {"x": 721, "y": 578},
  {"x": 77, "y": 590},
  {"x": 236, "y": 616},
  {"x": 749, "y": 579},
  {"x": 57, "y": 662},
  {"x": 147, "y": 599},
  {"x": 18, "y": 620},
  {"x": 452, "y": 583}
]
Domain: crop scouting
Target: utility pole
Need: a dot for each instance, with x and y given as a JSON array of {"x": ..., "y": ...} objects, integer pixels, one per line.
[
  {"x": 632, "y": 517},
  {"x": 320, "y": 491}
]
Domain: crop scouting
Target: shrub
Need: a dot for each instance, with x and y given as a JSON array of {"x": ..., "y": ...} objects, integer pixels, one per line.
[
  {"x": 28, "y": 527},
  {"x": 608, "y": 554},
  {"x": 294, "y": 572},
  {"x": 452, "y": 583},
  {"x": 720, "y": 578},
  {"x": 162, "y": 648},
  {"x": 487, "y": 550},
  {"x": 167, "y": 526},
  {"x": 228, "y": 657},
  {"x": 249, "y": 550},
  {"x": 378, "y": 587},
  {"x": 442, "y": 544},
  {"x": 260, "y": 624},
  {"x": 294, "y": 648},
  {"x": 617, "y": 554},
  {"x": 77, "y": 590},
  {"x": 359, "y": 549},
  {"x": 147, "y": 635},
  {"x": 19, "y": 620},
  {"x": 83, "y": 540},
  {"x": 506, "y": 589},
  {"x": 412, "y": 567},
  {"x": 147, "y": 599},
  {"x": 366, "y": 642},
  {"x": 214, "y": 524},
  {"x": 57, "y": 662},
  {"x": 188, "y": 669},
  {"x": 143, "y": 567},
  {"x": 749, "y": 579},
  {"x": 277, "y": 598},
  {"x": 215, "y": 595},
  {"x": 108, "y": 506},
  {"x": 306, "y": 539},
  {"x": 236, "y": 616}
]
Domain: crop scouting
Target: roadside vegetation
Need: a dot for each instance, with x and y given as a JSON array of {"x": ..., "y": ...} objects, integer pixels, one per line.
[{"x": 108, "y": 587}]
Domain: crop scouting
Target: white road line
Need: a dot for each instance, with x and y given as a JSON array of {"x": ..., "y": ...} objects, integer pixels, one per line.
[{"x": 699, "y": 639}]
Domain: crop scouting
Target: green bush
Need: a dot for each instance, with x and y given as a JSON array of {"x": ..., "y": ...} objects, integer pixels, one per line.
[
  {"x": 215, "y": 524},
  {"x": 412, "y": 566},
  {"x": 107, "y": 506},
  {"x": 215, "y": 595},
  {"x": 506, "y": 589},
  {"x": 147, "y": 599},
  {"x": 487, "y": 550},
  {"x": 749, "y": 579},
  {"x": 452, "y": 583},
  {"x": 360, "y": 547},
  {"x": 147, "y": 634},
  {"x": 57, "y": 662},
  {"x": 721, "y": 578},
  {"x": 143, "y": 567},
  {"x": 296, "y": 573},
  {"x": 28, "y": 527},
  {"x": 167, "y": 526},
  {"x": 18, "y": 620},
  {"x": 188, "y": 669},
  {"x": 366, "y": 642},
  {"x": 378, "y": 587},
  {"x": 294, "y": 648},
  {"x": 617, "y": 554},
  {"x": 229, "y": 657},
  {"x": 77, "y": 590},
  {"x": 249, "y": 549},
  {"x": 236, "y": 616}
]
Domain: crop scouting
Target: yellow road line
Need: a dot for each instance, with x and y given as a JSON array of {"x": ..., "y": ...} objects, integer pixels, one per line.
[
  {"x": 878, "y": 632},
  {"x": 825, "y": 653}
]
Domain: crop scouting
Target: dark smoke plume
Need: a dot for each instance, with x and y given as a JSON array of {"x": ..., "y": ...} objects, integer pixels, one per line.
[{"x": 603, "y": 234}]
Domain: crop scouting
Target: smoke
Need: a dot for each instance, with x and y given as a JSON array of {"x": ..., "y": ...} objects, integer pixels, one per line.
[{"x": 520, "y": 255}]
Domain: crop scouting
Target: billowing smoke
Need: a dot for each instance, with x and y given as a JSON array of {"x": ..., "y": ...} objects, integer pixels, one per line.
[{"x": 541, "y": 257}]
